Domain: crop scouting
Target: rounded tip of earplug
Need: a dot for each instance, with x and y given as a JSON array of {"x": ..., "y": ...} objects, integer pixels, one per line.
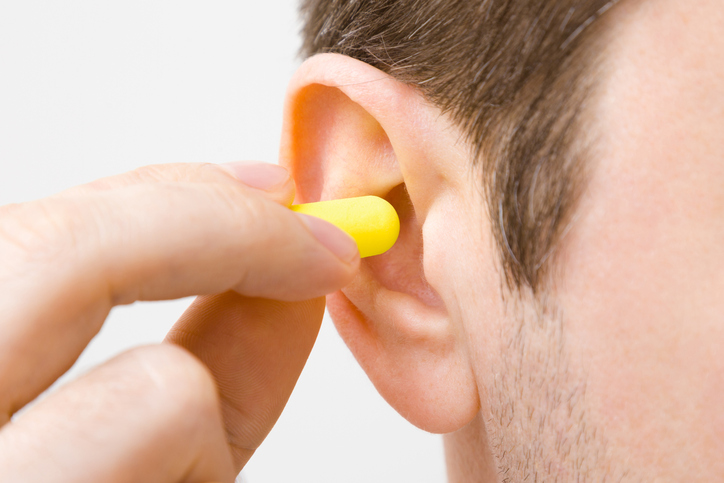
[{"x": 370, "y": 220}]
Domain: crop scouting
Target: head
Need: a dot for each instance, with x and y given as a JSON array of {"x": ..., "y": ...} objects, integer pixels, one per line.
[{"x": 552, "y": 305}]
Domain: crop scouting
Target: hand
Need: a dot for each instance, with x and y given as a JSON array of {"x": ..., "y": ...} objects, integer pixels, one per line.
[{"x": 193, "y": 409}]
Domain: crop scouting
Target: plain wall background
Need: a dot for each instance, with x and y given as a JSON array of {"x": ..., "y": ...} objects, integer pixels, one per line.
[{"x": 89, "y": 89}]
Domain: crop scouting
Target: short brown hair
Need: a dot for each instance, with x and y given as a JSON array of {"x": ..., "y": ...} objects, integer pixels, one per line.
[{"x": 514, "y": 74}]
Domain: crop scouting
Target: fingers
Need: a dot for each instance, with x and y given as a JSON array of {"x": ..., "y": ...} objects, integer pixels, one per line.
[
  {"x": 150, "y": 415},
  {"x": 273, "y": 181},
  {"x": 256, "y": 350},
  {"x": 158, "y": 233}
]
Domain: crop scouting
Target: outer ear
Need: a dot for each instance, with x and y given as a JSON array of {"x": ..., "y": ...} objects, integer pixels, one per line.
[{"x": 352, "y": 130}]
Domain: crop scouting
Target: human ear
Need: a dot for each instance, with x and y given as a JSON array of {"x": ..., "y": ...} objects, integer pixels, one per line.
[{"x": 352, "y": 130}]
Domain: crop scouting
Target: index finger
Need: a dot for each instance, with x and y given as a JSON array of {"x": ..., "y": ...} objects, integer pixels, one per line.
[{"x": 67, "y": 260}]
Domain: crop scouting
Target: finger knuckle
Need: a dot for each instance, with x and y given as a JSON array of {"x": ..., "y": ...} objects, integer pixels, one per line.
[
  {"x": 152, "y": 173},
  {"x": 174, "y": 172},
  {"x": 38, "y": 230}
]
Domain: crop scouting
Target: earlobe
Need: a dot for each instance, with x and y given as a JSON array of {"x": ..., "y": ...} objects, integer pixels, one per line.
[{"x": 351, "y": 130}]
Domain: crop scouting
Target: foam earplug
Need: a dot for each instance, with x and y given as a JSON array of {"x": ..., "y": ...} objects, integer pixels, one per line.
[{"x": 370, "y": 220}]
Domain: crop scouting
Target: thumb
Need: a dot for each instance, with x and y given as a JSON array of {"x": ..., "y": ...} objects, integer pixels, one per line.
[{"x": 256, "y": 350}]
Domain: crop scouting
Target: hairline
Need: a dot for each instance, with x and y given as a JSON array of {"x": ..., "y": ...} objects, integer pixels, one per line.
[{"x": 527, "y": 244}]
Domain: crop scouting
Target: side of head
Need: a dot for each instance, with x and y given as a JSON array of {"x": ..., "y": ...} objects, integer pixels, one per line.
[
  {"x": 513, "y": 76},
  {"x": 551, "y": 303}
]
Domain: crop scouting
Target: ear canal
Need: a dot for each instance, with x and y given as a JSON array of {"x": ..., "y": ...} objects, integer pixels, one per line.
[{"x": 400, "y": 269}]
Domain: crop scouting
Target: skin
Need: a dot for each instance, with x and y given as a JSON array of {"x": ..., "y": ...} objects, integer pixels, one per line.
[
  {"x": 193, "y": 409},
  {"x": 614, "y": 374},
  {"x": 647, "y": 255}
]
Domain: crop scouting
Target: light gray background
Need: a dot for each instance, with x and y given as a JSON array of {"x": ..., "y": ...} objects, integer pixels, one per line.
[{"x": 89, "y": 89}]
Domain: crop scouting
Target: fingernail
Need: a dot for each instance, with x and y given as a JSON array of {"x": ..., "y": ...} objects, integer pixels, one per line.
[
  {"x": 262, "y": 176},
  {"x": 337, "y": 241}
]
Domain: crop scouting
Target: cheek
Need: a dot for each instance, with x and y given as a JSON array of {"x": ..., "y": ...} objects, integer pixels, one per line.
[
  {"x": 641, "y": 293},
  {"x": 714, "y": 394},
  {"x": 644, "y": 276}
]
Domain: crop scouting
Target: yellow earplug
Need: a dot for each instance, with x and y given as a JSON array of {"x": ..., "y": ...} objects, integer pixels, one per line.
[{"x": 370, "y": 220}]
